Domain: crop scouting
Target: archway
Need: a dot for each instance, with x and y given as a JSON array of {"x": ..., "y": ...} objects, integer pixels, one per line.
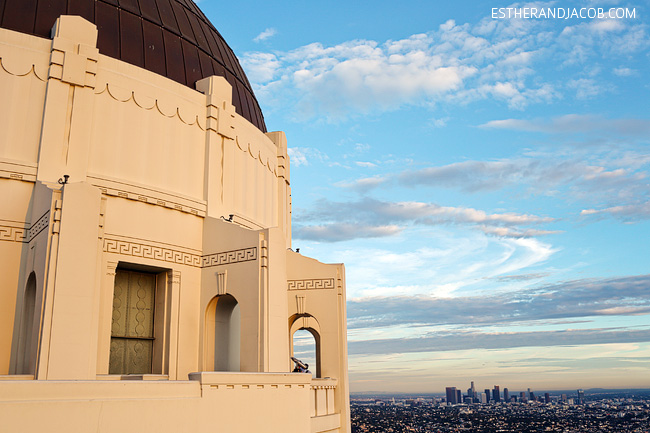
[
  {"x": 305, "y": 342},
  {"x": 222, "y": 334},
  {"x": 305, "y": 349}
]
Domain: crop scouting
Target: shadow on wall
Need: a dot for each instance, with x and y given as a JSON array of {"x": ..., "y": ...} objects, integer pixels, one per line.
[{"x": 222, "y": 334}]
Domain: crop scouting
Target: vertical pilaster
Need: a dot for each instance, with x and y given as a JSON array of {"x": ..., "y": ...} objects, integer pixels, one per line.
[
  {"x": 173, "y": 322},
  {"x": 284, "y": 188},
  {"x": 264, "y": 304},
  {"x": 69, "y": 100},
  {"x": 342, "y": 394},
  {"x": 105, "y": 317},
  {"x": 220, "y": 134},
  {"x": 75, "y": 292}
]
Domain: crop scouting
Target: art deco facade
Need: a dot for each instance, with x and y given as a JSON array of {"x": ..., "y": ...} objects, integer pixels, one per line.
[{"x": 147, "y": 281}]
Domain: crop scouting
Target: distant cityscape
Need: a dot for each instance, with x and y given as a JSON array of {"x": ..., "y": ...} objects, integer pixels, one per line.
[
  {"x": 455, "y": 396},
  {"x": 580, "y": 411}
]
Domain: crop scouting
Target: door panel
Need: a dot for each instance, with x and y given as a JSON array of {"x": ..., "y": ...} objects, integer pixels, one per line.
[{"x": 132, "y": 325}]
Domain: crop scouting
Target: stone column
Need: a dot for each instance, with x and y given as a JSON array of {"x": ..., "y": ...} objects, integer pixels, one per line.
[{"x": 73, "y": 288}]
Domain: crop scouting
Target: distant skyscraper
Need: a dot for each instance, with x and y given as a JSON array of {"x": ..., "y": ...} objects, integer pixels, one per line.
[
  {"x": 451, "y": 394},
  {"x": 487, "y": 395},
  {"x": 522, "y": 397},
  {"x": 471, "y": 393},
  {"x": 531, "y": 395},
  {"x": 506, "y": 395},
  {"x": 496, "y": 394},
  {"x": 581, "y": 396},
  {"x": 459, "y": 396},
  {"x": 547, "y": 397},
  {"x": 484, "y": 397}
]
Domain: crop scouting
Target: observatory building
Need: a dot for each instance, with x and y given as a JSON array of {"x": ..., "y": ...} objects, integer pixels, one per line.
[{"x": 147, "y": 280}]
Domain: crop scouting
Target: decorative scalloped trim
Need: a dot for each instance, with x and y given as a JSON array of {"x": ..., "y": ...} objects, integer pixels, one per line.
[
  {"x": 256, "y": 153},
  {"x": 19, "y": 69},
  {"x": 185, "y": 113}
]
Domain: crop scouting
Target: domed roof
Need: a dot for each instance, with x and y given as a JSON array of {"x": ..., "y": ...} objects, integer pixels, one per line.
[{"x": 169, "y": 37}]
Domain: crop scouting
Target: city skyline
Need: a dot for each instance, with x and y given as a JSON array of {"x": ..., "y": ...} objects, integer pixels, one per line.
[
  {"x": 484, "y": 180},
  {"x": 455, "y": 395}
]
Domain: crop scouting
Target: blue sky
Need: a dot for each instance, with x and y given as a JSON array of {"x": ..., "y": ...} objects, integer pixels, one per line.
[{"x": 485, "y": 181}]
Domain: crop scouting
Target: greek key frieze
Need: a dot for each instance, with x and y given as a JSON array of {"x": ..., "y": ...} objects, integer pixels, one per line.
[
  {"x": 12, "y": 234},
  {"x": 151, "y": 252},
  {"x": 24, "y": 234},
  {"x": 154, "y": 252},
  {"x": 229, "y": 257},
  {"x": 311, "y": 284}
]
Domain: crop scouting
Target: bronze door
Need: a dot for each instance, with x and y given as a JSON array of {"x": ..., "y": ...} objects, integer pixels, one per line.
[{"x": 132, "y": 327}]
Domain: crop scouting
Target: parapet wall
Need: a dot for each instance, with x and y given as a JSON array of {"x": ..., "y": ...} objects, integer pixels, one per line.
[{"x": 210, "y": 402}]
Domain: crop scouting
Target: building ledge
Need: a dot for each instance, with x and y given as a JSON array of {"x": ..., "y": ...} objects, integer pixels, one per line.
[
  {"x": 231, "y": 379},
  {"x": 17, "y": 377},
  {"x": 132, "y": 377},
  {"x": 325, "y": 423},
  {"x": 324, "y": 383}
]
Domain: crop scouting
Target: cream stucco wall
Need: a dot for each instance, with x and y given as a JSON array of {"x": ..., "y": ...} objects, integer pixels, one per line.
[{"x": 166, "y": 180}]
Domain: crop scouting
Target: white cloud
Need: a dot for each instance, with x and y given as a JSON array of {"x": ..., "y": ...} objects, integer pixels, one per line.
[
  {"x": 260, "y": 67},
  {"x": 624, "y": 72},
  {"x": 607, "y": 25},
  {"x": 439, "y": 123},
  {"x": 585, "y": 88},
  {"x": 512, "y": 233},
  {"x": 305, "y": 156},
  {"x": 575, "y": 123},
  {"x": 330, "y": 221},
  {"x": 297, "y": 157},
  {"x": 608, "y": 181},
  {"x": 343, "y": 232},
  {"x": 628, "y": 213},
  {"x": 266, "y": 34},
  {"x": 440, "y": 261},
  {"x": 501, "y": 59},
  {"x": 365, "y": 184}
]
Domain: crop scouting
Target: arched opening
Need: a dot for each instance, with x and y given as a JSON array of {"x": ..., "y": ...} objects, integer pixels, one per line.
[
  {"x": 222, "y": 334},
  {"x": 27, "y": 360},
  {"x": 305, "y": 345}
]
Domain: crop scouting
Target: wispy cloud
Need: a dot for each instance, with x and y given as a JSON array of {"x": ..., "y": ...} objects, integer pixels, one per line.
[
  {"x": 343, "y": 232},
  {"x": 266, "y": 34},
  {"x": 624, "y": 72},
  {"x": 575, "y": 123},
  {"x": 305, "y": 156},
  {"x": 538, "y": 174},
  {"x": 459, "y": 340},
  {"x": 627, "y": 213},
  {"x": 567, "y": 300},
  {"x": 521, "y": 277},
  {"x": 609, "y": 182},
  {"x": 337, "y": 221}
]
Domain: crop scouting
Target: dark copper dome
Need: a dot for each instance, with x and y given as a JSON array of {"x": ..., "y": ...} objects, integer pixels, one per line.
[{"x": 169, "y": 37}]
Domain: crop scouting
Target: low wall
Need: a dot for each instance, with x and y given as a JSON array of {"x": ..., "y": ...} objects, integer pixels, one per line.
[{"x": 208, "y": 402}]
